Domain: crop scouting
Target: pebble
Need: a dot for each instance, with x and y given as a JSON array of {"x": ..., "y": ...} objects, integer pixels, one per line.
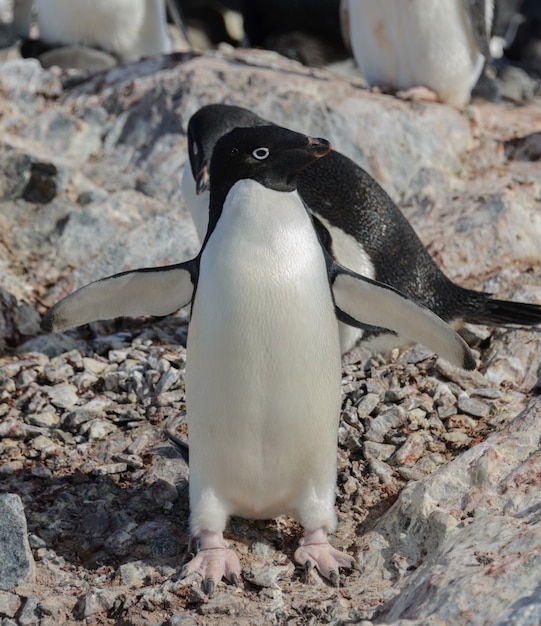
[
  {"x": 382, "y": 470},
  {"x": 9, "y": 604},
  {"x": 63, "y": 396},
  {"x": 367, "y": 405},
  {"x": 135, "y": 574},
  {"x": 97, "y": 430},
  {"x": 119, "y": 543},
  {"x": 262, "y": 549},
  {"x": 412, "y": 449},
  {"x": 267, "y": 575},
  {"x": 386, "y": 421},
  {"x": 111, "y": 468},
  {"x": 456, "y": 439},
  {"x": 379, "y": 451},
  {"x": 29, "y": 614},
  {"x": 45, "y": 419},
  {"x": 473, "y": 407}
]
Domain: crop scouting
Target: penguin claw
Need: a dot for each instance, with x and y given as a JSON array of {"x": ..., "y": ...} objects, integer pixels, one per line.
[
  {"x": 214, "y": 561},
  {"x": 333, "y": 577},
  {"x": 209, "y": 586},
  {"x": 316, "y": 551}
]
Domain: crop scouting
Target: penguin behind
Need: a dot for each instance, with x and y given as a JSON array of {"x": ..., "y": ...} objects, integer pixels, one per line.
[
  {"x": 263, "y": 356},
  {"x": 362, "y": 228},
  {"x": 439, "y": 45},
  {"x": 125, "y": 29}
]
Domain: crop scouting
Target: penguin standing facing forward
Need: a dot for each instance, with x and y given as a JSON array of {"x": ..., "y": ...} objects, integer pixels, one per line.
[
  {"x": 361, "y": 227},
  {"x": 263, "y": 355},
  {"x": 438, "y": 45}
]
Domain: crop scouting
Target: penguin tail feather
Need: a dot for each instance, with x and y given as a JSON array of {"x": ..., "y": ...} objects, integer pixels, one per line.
[{"x": 504, "y": 313}]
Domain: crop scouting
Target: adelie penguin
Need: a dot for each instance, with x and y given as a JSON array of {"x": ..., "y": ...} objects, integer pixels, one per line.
[
  {"x": 439, "y": 45},
  {"x": 361, "y": 227},
  {"x": 263, "y": 372}
]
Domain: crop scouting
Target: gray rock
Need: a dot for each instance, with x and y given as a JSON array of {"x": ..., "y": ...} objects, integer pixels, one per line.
[
  {"x": 473, "y": 407},
  {"x": 9, "y": 604},
  {"x": 479, "y": 570},
  {"x": 16, "y": 561},
  {"x": 379, "y": 451},
  {"x": 29, "y": 613}
]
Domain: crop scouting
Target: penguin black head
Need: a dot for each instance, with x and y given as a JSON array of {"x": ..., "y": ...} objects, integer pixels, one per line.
[
  {"x": 270, "y": 155},
  {"x": 205, "y": 128}
]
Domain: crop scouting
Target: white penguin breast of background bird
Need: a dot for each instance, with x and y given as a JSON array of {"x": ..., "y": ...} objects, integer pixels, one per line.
[
  {"x": 417, "y": 42},
  {"x": 264, "y": 331}
]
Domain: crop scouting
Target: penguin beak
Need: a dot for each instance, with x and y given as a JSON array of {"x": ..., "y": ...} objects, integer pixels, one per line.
[
  {"x": 202, "y": 180},
  {"x": 319, "y": 147}
]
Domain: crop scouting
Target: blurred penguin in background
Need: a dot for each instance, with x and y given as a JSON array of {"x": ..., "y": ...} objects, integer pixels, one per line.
[
  {"x": 440, "y": 47},
  {"x": 97, "y": 34}
]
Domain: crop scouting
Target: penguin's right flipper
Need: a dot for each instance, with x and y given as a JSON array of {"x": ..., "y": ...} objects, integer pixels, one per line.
[
  {"x": 147, "y": 291},
  {"x": 373, "y": 303}
]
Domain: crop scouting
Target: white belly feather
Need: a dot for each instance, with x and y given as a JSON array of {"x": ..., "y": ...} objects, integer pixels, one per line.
[
  {"x": 416, "y": 42},
  {"x": 263, "y": 366}
]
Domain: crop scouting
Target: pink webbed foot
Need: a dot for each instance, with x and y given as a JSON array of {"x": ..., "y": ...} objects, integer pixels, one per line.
[
  {"x": 315, "y": 551},
  {"x": 214, "y": 561}
]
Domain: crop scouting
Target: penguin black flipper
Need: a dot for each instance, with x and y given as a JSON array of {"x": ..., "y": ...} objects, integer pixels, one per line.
[
  {"x": 147, "y": 291},
  {"x": 379, "y": 305}
]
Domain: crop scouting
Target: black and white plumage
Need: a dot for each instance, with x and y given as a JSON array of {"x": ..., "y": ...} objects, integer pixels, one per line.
[
  {"x": 363, "y": 229},
  {"x": 263, "y": 354},
  {"x": 97, "y": 34},
  {"x": 420, "y": 43}
]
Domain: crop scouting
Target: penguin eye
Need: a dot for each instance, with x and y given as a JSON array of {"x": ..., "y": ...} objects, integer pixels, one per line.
[
  {"x": 195, "y": 149},
  {"x": 261, "y": 153}
]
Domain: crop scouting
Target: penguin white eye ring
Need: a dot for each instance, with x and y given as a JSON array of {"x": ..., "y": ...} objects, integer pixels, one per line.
[
  {"x": 261, "y": 153},
  {"x": 195, "y": 149}
]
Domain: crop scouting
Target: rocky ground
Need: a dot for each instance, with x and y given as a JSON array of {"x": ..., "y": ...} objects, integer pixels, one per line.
[{"x": 439, "y": 470}]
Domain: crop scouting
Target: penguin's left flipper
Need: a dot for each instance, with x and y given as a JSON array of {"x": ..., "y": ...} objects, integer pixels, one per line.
[
  {"x": 369, "y": 302},
  {"x": 147, "y": 291}
]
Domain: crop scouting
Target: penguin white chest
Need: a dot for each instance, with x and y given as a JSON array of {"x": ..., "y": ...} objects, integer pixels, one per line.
[
  {"x": 418, "y": 42},
  {"x": 263, "y": 365}
]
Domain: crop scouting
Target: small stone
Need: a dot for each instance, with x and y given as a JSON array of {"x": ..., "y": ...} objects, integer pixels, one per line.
[
  {"x": 367, "y": 405},
  {"x": 417, "y": 353},
  {"x": 473, "y": 407},
  {"x": 267, "y": 575},
  {"x": 29, "y": 614},
  {"x": 456, "y": 439},
  {"x": 379, "y": 451},
  {"x": 63, "y": 396},
  {"x": 119, "y": 543},
  {"x": 45, "y": 446},
  {"x": 135, "y": 574},
  {"x": 93, "y": 366},
  {"x": 487, "y": 392},
  {"x": 411, "y": 473},
  {"x": 100, "y": 601},
  {"x": 9, "y": 604},
  {"x": 413, "y": 448},
  {"x": 111, "y": 468},
  {"x": 45, "y": 419},
  {"x": 40, "y": 471},
  {"x": 163, "y": 491},
  {"x": 170, "y": 378},
  {"x": 262, "y": 549},
  {"x": 97, "y": 430},
  {"x": 16, "y": 563},
  {"x": 387, "y": 421},
  {"x": 446, "y": 411},
  {"x": 382, "y": 470}
]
